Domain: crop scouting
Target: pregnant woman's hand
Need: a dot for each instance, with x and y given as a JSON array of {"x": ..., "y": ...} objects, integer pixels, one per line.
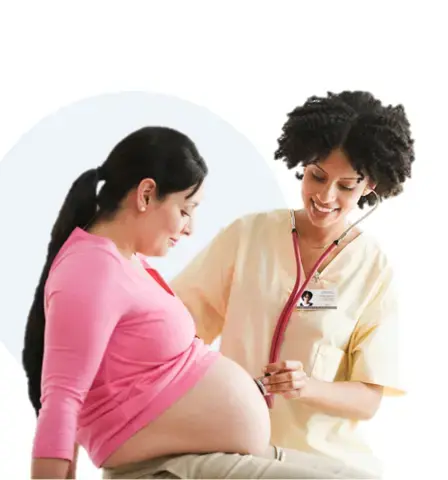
[{"x": 286, "y": 378}]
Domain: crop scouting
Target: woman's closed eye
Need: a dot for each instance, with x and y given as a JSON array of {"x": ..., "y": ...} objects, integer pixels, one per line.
[
  {"x": 318, "y": 178},
  {"x": 322, "y": 180},
  {"x": 347, "y": 188}
]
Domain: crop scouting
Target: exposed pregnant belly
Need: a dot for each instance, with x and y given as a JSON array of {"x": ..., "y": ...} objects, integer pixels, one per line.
[{"x": 224, "y": 412}]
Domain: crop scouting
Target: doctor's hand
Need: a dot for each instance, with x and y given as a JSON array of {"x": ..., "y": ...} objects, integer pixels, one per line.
[{"x": 286, "y": 378}]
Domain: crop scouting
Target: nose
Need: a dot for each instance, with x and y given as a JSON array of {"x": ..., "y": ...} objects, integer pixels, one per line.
[
  {"x": 327, "y": 194},
  {"x": 188, "y": 228}
]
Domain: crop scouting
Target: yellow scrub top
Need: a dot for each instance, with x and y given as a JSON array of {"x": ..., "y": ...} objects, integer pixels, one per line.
[{"x": 237, "y": 287}]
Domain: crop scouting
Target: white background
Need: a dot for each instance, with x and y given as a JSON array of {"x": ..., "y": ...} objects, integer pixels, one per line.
[{"x": 251, "y": 62}]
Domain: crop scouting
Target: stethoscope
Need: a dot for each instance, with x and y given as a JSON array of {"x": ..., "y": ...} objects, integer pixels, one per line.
[{"x": 298, "y": 290}]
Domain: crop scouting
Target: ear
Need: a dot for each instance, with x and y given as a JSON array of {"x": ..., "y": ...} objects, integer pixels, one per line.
[
  {"x": 145, "y": 192},
  {"x": 370, "y": 187}
]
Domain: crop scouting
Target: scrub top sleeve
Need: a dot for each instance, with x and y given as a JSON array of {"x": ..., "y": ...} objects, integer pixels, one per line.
[
  {"x": 204, "y": 285},
  {"x": 373, "y": 354}
]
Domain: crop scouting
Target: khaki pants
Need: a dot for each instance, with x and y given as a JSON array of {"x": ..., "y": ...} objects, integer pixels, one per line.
[{"x": 227, "y": 465}]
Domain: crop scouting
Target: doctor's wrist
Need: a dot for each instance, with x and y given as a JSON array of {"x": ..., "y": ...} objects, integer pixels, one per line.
[{"x": 311, "y": 391}]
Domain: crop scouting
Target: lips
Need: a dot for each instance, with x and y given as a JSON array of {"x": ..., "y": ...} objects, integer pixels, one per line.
[{"x": 322, "y": 209}]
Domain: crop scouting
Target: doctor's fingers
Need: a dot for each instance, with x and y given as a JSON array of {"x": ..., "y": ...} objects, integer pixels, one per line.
[
  {"x": 283, "y": 377},
  {"x": 290, "y": 386},
  {"x": 285, "y": 381},
  {"x": 284, "y": 366}
]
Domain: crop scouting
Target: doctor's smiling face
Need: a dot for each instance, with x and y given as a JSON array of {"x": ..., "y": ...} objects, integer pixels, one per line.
[
  {"x": 336, "y": 136},
  {"x": 331, "y": 189}
]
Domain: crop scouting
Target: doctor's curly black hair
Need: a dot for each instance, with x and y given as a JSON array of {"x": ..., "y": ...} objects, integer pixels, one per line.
[{"x": 376, "y": 138}]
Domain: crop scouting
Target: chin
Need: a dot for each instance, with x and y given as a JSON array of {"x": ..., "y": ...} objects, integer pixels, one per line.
[
  {"x": 160, "y": 252},
  {"x": 154, "y": 252}
]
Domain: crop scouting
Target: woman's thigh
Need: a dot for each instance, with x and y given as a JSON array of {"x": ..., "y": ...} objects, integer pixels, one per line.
[{"x": 232, "y": 466}]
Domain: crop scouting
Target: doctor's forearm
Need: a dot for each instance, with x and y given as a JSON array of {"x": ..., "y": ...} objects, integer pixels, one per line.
[{"x": 353, "y": 400}]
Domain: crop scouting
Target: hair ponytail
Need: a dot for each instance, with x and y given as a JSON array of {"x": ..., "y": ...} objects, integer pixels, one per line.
[{"x": 78, "y": 210}]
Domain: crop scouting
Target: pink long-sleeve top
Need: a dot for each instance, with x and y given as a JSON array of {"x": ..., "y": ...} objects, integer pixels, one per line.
[{"x": 119, "y": 350}]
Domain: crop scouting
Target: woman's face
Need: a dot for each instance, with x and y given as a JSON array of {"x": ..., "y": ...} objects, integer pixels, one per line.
[
  {"x": 331, "y": 189},
  {"x": 163, "y": 223}
]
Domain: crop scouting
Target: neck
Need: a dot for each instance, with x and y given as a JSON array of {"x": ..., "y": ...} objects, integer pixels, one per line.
[
  {"x": 113, "y": 230},
  {"x": 318, "y": 236}
]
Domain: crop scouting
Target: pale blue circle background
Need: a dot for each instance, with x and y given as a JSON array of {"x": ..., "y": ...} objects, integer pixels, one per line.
[{"x": 37, "y": 173}]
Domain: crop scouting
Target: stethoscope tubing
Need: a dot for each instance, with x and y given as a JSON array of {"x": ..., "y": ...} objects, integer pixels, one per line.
[{"x": 282, "y": 323}]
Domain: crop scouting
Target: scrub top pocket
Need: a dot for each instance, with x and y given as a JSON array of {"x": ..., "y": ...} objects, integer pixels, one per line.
[{"x": 327, "y": 362}]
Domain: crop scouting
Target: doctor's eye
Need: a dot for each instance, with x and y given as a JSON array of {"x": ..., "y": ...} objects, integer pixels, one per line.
[
  {"x": 318, "y": 178},
  {"x": 347, "y": 189}
]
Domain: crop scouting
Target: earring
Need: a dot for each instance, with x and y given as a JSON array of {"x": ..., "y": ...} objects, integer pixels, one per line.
[{"x": 148, "y": 201}]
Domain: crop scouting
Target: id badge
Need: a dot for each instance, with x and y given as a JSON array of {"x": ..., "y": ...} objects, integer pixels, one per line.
[{"x": 318, "y": 299}]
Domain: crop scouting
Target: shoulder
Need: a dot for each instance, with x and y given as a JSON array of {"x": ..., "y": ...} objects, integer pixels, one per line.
[
  {"x": 85, "y": 263},
  {"x": 240, "y": 233},
  {"x": 374, "y": 252},
  {"x": 257, "y": 222},
  {"x": 377, "y": 269}
]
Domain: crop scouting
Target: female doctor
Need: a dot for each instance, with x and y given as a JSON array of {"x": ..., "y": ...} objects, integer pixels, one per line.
[{"x": 337, "y": 359}]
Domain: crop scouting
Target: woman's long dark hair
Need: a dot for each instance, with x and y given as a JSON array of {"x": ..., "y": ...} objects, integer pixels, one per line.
[{"x": 167, "y": 156}]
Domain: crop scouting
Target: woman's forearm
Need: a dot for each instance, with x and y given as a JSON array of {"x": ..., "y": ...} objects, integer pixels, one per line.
[
  {"x": 49, "y": 468},
  {"x": 72, "y": 468},
  {"x": 354, "y": 400}
]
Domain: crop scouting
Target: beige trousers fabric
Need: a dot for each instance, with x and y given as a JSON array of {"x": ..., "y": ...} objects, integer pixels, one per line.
[{"x": 226, "y": 465}]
